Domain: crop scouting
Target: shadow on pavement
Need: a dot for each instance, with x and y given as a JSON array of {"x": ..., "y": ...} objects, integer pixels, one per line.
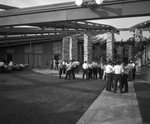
[
  {"x": 142, "y": 90},
  {"x": 32, "y": 98}
]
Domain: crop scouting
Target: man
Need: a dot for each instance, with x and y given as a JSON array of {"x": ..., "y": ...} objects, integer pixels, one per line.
[
  {"x": 125, "y": 77},
  {"x": 90, "y": 70},
  {"x": 131, "y": 72},
  {"x": 64, "y": 66},
  {"x": 68, "y": 70},
  {"x": 77, "y": 66},
  {"x": 85, "y": 70},
  {"x": 95, "y": 68},
  {"x": 109, "y": 71},
  {"x": 99, "y": 70},
  {"x": 2, "y": 65},
  {"x": 60, "y": 68},
  {"x": 73, "y": 69},
  {"x": 118, "y": 72}
]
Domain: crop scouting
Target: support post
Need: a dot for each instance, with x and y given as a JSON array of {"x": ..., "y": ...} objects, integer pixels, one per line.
[
  {"x": 87, "y": 48},
  {"x": 130, "y": 55},
  {"x": 65, "y": 48},
  {"x": 70, "y": 48},
  {"x": 74, "y": 47},
  {"x": 110, "y": 46}
]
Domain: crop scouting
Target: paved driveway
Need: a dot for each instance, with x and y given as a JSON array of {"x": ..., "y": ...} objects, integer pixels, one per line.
[{"x": 27, "y": 97}]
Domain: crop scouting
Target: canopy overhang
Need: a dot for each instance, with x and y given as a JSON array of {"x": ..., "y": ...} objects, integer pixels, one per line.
[
  {"x": 69, "y": 12},
  {"x": 142, "y": 26},
  {"x": 65, "y": 19},
  {"x": 50, "y": 31}
]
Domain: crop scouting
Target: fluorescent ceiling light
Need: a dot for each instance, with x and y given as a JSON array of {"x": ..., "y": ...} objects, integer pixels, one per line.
[
  {"x": 99, "y": 1},
  {"x": 78, "y": 2}
]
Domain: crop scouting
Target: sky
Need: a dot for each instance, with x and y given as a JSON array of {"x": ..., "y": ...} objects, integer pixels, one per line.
[{"x": 118, "y": 23}]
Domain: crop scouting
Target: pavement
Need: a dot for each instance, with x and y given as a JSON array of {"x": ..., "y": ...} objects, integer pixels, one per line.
[{"x": 109, "y": 107}]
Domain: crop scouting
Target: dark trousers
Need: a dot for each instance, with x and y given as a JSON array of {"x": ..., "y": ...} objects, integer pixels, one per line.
[
  {"x": 85, "y": 72},
  {"x": 73, "y": 72},
  {"x": 125, "y": 82},
  {"x": 77, "y": 69},
  {"x": 109, "y": 81},
  {"x": 99, "y": 71},
  {"x": 95, "y": 73},
  {"x": 117, "y": 77},
  {"x": 60, "y": 72},
  {"x": 68, "y": 73},
  {"x": 90, "y": 73},
  {"x": 133, "y": 72},
  {"x": 64, "y": 70},
  {"x": 130, "y": 75},
  {"x": 102, "y": 72}
]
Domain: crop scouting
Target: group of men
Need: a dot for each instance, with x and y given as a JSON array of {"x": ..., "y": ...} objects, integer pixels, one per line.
[
  {"x": 113, "y": 72},
  {"x": 69, "y": 68},
  {"x": 92, "y": 70},
  {"x": 119, "y": 73},
  {"x": 4, "y": 67}
]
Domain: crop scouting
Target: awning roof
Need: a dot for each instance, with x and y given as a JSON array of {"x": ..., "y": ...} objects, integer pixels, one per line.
[
  {"x": 6, "y": 7},
  {"x": 41, "y": 32},
  {"x": 142, "y": 26},
  {"x": 50, "y": 31}
]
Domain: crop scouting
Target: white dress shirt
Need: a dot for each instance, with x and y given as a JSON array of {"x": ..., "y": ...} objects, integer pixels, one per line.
[
  {"x": 109, "y": 69},
  {"x": 118, "y": 69},
  {"x": 85, "y": 66}
]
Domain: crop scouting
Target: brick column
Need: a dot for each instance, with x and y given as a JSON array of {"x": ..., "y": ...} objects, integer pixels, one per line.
[
  {"x": 65, "y": 48},
  {"x": 138, "y": 35},
  {"x": 87, "y": 48},
  {"x": 70, "y": 48},
  {"x": 110, "y": 46},
  {"x": 130, "y": 55},
  {"x": 74, "y": 47},
  {"x": 120, "y": 53}
]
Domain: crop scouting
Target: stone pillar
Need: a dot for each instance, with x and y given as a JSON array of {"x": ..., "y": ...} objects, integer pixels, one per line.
[
  {"x": 74, "y": 47},
  {"x": 130, "y": 55},
  {"x": 138, "y": 35},
  {"x": 65, "y": 48},
  {"x": 87, "y": 48},
  {"x": 120, "y": 53},
  {"x": 110, "y": 46},
  {"x": 70, "y": 48}
]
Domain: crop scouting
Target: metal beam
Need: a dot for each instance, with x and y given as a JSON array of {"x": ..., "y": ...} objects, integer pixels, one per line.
[
  {"x": 6, "y": 7},
  {"x": 12, "y": 32},
  {"x": 18, "y": 31},
  {"x": 69, "y": 12}
]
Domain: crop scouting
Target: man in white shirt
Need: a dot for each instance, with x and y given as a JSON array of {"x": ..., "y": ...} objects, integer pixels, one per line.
[
  {"x": 2, "y": 64},
  {"x": 77, "y": 66},
  {"x": 118, "y": 72},
  {"x": 73, "y": 69},
  {"x": 109, "y": 70},
  {"x": 11, "y": 63},
  {"x": 68, "y": 70},
  {"x": 60, "y": 69},
  {"x": 85, "y": 70}
]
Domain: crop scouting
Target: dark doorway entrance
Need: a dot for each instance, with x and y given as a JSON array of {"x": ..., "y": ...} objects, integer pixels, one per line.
[
  {"x": 9, "y": 57},
  {"x": 57, "y": 57}
]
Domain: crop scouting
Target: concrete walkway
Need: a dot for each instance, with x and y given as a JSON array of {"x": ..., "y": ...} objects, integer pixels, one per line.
[{"x": 109, "y": 107}]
